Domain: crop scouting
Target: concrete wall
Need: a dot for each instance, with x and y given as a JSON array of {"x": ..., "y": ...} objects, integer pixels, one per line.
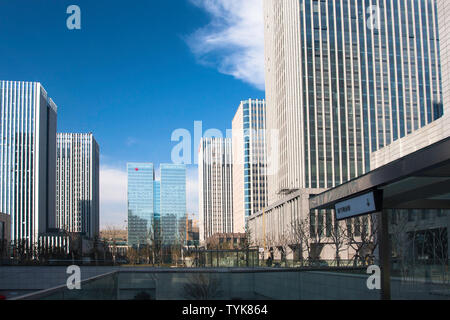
[
  {"x": 39, "y": 278},
  {"x": 424, "y": 137}
]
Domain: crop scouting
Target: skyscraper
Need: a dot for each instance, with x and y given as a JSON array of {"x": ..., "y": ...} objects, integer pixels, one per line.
[
  {"x": 344, "y": 79},
  {"x": 27, "y": 159},
  {"x": 342, "y": 83},
  {"x": 156, "y": 209},
  {"x": 215, "y": 187},
  {"x": 249, "y": 161},
  {"x": 141, "y": 178},
  {"x": 173, "y": 203},
  {"x": 77, "y": 183}
]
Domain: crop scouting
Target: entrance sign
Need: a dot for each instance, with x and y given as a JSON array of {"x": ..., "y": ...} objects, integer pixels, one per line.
[{"x": 357, "y": 206}]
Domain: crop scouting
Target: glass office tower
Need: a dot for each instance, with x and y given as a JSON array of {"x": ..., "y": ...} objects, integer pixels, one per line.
[
  {"x": 27, "y": 160},
  {"x": 173, "y": 203},
  {"x": 157, "y": 199},
  {"x": 344, "y": 79},
  {"x": 141, "y": 209}
]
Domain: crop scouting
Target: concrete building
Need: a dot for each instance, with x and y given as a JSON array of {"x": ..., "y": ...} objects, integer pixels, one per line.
[
  {"x": 249, "y": 161},
  {"x": 346, "y": 87},
  {"x": 443, "y": 11},
  {"x": 28, "y": 160},
  {"x": 77, "y": 184},
  {"x": 215, "y": 187}
]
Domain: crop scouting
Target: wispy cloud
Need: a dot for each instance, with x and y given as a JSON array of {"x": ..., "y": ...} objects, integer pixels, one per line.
[
  {"x": 233, "y": 41},
  {"x": 131, "y": 141}
]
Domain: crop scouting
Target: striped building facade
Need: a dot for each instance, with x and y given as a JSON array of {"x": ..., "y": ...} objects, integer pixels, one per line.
[
  {"x": 344, "y": 79},
  {"x": 340, "y": 86},
  {"x": 77, "y": 184},
  {"x": 28, "y": 160},
  {"x": 215, "y": 187}
]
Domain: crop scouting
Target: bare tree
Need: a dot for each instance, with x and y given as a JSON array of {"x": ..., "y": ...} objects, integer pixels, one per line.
[
  {"x": 441, "y": 247},
  {"x": 132, "y": 256},
  {"x": 300, "y": 238},
  {"x": 401, "y": 240},
  {"x": 338, "y": 240},
  {"x": 247, "y": 241},
  {"x": 309, "y": 237},
  {"x": 202, "y": 287},
  {"x": 155, "y": 243},
  {"x": 365, "y": 240},
  {"x": 270, "y": 244},
  {"x": 284, "y": 242}
]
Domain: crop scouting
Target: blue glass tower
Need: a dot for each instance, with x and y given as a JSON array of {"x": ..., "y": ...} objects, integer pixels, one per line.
[
  {"x": 141, "y": 208},
  {"x": 173, "y": 203}
]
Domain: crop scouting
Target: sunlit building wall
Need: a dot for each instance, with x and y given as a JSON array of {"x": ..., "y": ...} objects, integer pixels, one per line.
[
  {"x": 344, "y": 80},
  {"x": 215, "y": 187},
  {"x": 28, "y": 121},
  {"x": 249, "y": 161},
  {"x": 77, "y": 184}
]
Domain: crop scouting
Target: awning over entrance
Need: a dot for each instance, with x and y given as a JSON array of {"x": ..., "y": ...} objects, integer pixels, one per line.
[{"x": 420, "y": 180}]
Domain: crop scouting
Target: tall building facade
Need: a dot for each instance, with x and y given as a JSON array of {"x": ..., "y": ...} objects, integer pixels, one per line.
[
  {"x": 443, "y": 9},
  {"x": 77, "y": 184},
  {"x": 173, "y": 203},
  {"x": 215, "y": 187},
  {"x": 140, "y": 195},
  {"x": 345, "y": 80},
  {"x": 249, "y": 161},
  {"x": 28, "y": 159}
]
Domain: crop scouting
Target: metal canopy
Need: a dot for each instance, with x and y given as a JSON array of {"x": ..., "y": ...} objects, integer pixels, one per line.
[{"x": 420, "y": 180}]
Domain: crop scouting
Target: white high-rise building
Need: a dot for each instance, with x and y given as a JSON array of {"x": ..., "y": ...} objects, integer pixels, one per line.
[
  {"x": 27, "y": 160},
  {"x": 443, "y": 10},
  {"x": 215, "y": 187},
  {"x": 249, "y": 161},
  {"x": 344, "y": 80},
  {"x": 77, "y": 184}
]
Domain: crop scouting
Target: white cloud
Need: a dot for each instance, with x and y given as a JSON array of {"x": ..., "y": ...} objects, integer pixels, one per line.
[
  {"x": 113, "y": 197},
  {"x": 234, "y": 39}
]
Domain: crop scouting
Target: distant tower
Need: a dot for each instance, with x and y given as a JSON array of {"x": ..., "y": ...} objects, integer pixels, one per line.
[
  {"x": 173, "y": 203},
  {"x": 77, "y": 183},
  {"x": 215, "y": 187},
  {"x": 140, "y": 197},
  {"x": 27, "y": 159},
  {"x": 249, "y": 161}
]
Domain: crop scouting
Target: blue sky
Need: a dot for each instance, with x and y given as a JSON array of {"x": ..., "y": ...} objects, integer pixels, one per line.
[{"x": 136, "y": 71}]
